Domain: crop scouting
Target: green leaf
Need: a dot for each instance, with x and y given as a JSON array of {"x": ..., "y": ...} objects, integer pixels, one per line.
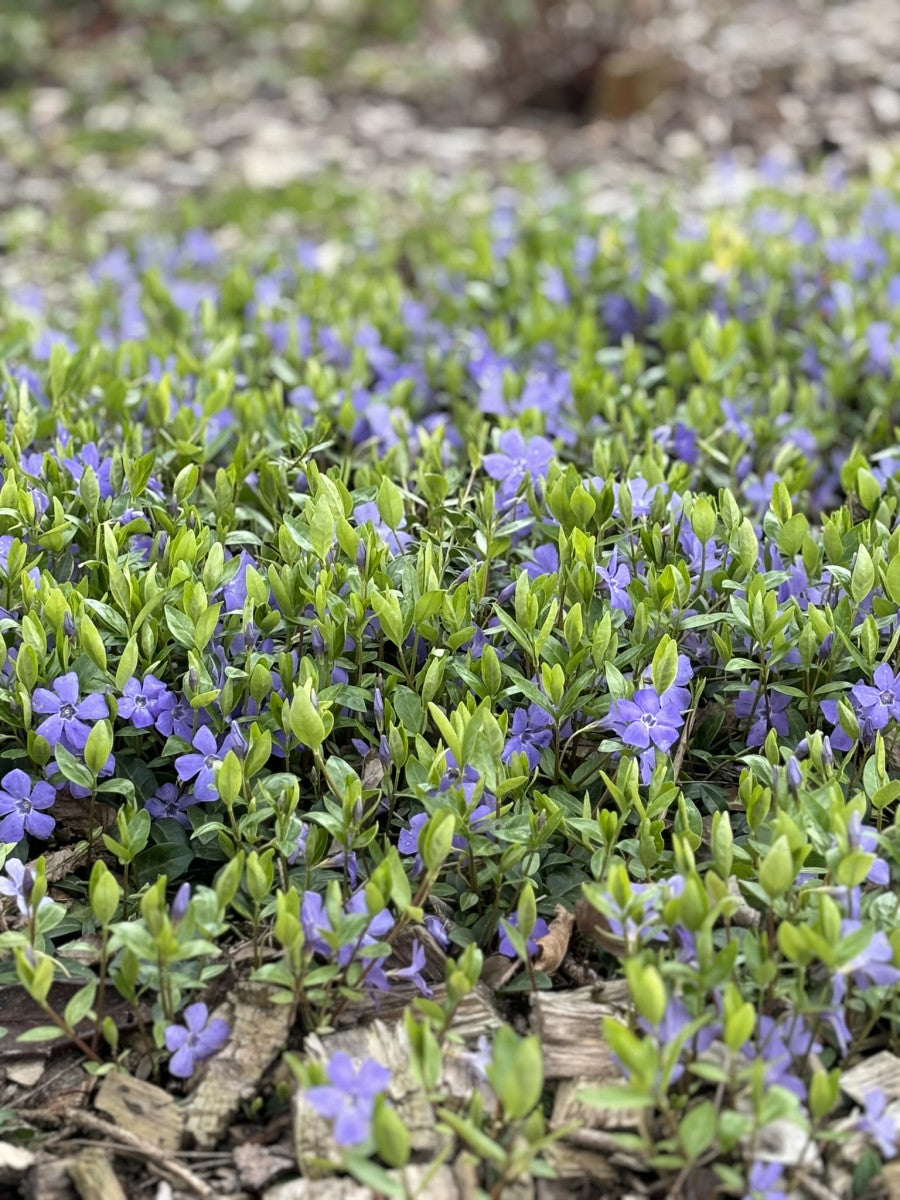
[
  {"x": 665, "y": 664},
  {"x": 80, "y": 1004},
  {"x": 72, "y": 769}
]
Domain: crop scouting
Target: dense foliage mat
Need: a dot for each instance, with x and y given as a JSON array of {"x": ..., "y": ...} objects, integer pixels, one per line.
[{"x": 432, "y": 582}]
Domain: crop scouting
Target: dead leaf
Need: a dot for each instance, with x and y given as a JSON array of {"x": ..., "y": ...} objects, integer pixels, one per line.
[
  {"x": 554, "y": 944},
  {"x": 595, "y": 926},
  {"x": 372, "y": 771}
]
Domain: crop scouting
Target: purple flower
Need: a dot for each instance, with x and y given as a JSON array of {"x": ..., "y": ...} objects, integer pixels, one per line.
[
  {"x": 397, "y": 540},
  {"x": 197, "y": 1039},
  {"x": 180, "y": 903},
  {"x": 781, "y": 1044},
  {"x": 315, "y": 922},
  {"x": 616, "y": 576},
  {"x": 648, "y": 718},
  {"x": 67, "y": 722},
  {"x": 19, "y": 885},
  {"x": 414, "y": 971},
  {"x": 865, "y": 838},
  {"x": 532, "y": 732},
  {"x": 642, "y": 494},
  {"x": 21, "y": 805},
  {"x": 349, "y": 1101},
  {"x": 141, "y": 702},
  {"x": 169, "y": 802},
  {"x": 541, "y": 929},
  {"x": 89, "y": 456},
  {"x": 438, "y": 930},
  {"x": 201, "y": 766},
  {"x": 545, "y": 561},
  {"x": 878, "y": 1123},
  {"x": 873, "y": 966},
  {"x": 174, "y": 715},
  {"x": 877, "y": 704},
  {"x": 518, "y": 460},
  {"x": 769, "y": 711},
  {"x": 763, "y": 1180},
  {"x": 408, "y": 841}
]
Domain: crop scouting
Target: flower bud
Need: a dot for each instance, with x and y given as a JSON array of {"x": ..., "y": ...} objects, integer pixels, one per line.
[
  {"x": 238, "y": 741},
  {"x": 180, "y": 903},
  {"x": 794, "y": 775}
]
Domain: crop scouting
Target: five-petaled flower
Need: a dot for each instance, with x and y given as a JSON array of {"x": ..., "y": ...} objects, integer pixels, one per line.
[
  {"x": 22, "y": 805},
  {"x": 518, "y": 460},
  {"x": 197, "y": 1039},
  {"x": 69, "y": 715},
  {"x": 349, "y": 1100},
  {"x": 878, "y": 1123},
  {"x": 141, "y": 702},
  {"x": 647, "y": 719},
  {"x": 201, "y": 766},
  {"x": 506, "y": 947}
]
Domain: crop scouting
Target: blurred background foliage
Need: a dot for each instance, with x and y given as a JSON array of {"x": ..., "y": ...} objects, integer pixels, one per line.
[{"x": 523, "y": 48}]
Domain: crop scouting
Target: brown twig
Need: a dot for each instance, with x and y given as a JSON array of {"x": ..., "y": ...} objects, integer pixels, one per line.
[{"x": 121, "y": 1138}]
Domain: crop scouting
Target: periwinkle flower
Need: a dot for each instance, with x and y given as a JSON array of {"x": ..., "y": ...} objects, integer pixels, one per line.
[
  {"x": 865, "y": 838},
  {"x": 349, "y": 1099},
  {"x": 532, "y": 733},
  {"x": 541, "y": 929},
  {"x": 141, "y": 703},
  {"x": 648, "y": 719},
  {"x": 196, "y": 1040},
  {"x": 89, "y": 456},
  {"x": 878, "y": 1123},
  {"x": 69, "y": 715},
  {"x": 22, "y": 805},
  {"x": 768, "y": 711},
  {"x": 180, "y": 903},
  {"x": 201, "y": 765},
  {"x": 518, "y": 460},
  {"x": 169, "y": 802},
  {"x": 413, "y": 972},
  {"x": 763, "y": 1181},
  {"x": 879, "y": 702},
  {"x": 871, "y": 967},
  {"x": 19, "y": 886},
  {"x": 616, "y": 576}
]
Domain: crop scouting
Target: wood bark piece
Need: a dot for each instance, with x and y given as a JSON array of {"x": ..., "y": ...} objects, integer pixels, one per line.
[
  {"x": 571, "y": 1028},
  {"x": 476, "y": 1014},
  {"x": 333, "y": 1188},
  {"x": 94, "y": 1177},
  {"x": 389, "y": 1045},
  {"x": 259, "y": 1030},
  {"x": 143, "y": 1109},
  {"x": 258, "y": 1166},
  {"x": 882, "y": 1071},
  {"x": 49, "y": 1180}
]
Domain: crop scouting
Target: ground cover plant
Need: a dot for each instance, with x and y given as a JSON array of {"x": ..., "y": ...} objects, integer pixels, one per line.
[{"x": 510, "y": 604}]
